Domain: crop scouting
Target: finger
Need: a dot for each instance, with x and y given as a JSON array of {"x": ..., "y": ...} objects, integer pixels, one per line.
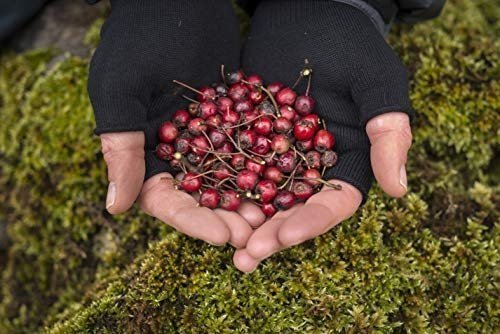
[
  {"x": 244, "y": 262},
  {"x": 252, "y": 213},
  {"x": 320, "y": 213},
  {"x": 390, "y": 136},
  {"x": 239, "y": 228},
  {"x": 264, "y": 241},
  {"x": 180, "y": 210},
  {"x": 124, "y": 156}
]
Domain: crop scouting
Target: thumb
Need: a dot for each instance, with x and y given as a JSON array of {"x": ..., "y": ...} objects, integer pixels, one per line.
[
  {"x": 124, "y": 156},
  {"x": 390, "y": 137}
]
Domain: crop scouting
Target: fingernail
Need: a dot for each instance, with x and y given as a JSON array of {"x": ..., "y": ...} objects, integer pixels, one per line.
[
  {"x": 110, "y": 198},
  {"x": 402, "y": 177}
]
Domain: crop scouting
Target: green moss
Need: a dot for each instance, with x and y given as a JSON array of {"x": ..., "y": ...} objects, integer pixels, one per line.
[{"x": 425, "y": 263}]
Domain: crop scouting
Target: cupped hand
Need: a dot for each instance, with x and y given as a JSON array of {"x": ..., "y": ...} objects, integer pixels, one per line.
[
  {"x": 390, "y": 136},
  {"x": 124, "y": 156}
]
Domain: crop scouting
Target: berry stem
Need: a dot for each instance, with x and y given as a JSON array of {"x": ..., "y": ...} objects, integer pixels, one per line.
[
  {"x": 223, "y": 76},
  {"x": 268, "y": 93},
  {"x": 190, "y": 99},
  {"x": 180, "y": 83},
  {"x": 238, "y": 147}
]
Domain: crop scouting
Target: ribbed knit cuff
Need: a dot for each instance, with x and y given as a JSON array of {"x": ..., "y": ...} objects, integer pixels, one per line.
[{"x": 355, "y": 168}]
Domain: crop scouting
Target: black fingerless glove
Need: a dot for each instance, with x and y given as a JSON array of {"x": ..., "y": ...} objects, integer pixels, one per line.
[
  {"x": 356, "y": 75},
  {"x": 145, "y": 44}
]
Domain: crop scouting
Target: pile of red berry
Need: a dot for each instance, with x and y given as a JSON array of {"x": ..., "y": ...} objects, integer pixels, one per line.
[{"x": 241, "y": 140}]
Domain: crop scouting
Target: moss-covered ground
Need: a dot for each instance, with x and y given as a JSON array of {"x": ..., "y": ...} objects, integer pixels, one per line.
[{"x": 426, "y": 263}]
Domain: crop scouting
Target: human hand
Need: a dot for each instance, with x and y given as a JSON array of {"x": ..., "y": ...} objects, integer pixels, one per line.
[
  {"x": 361, "y": 91},
  {"x": 144, "y": 46}
]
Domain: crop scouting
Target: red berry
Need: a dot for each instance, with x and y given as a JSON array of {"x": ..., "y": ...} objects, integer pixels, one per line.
[
  {"x": 274, "y": 174},
  {"x": 181, "y": 118},
  {"x": 282, "y": 125},
  {"x": 288, "y": 112},
  {"x": 263, "y": 126},
  {"x": 226, "y": 148},
  {"x": 313, "y": 119},
  {"x": 165, "y": 151},
  {"x": 311, "y": 176},
  {"x": 246, "y": 179},
  {"x": 256, "y": 96},
  {"x": 267, "y": 190},
  {"x": 221, "y": 171},
  {"x": 268, "y": 209},
  {"x": 280, "y": 144},
  {"x": 217, "y": 138},
  {"x": 224, "y": 103},
  {"x": 254, "y": 166},
  {"x": 286, "y": 96},
  {"x": 313, "y": 159},
  {"x": 167, "y": 132},
  {"x": 286, "y": 162},
  {"x": 243, "y": 106},
  {"x": 183, "y": 145},
  {"x": 261, "y": 146},
  {"x": 249, "y": 116},
  {"x": 329, "y": 159},
  {"x": 302, "y": 190},
  {"x": 238, "y": 92},
  {"x": 207, "y": 94},
  {"x": 238, "y": 161},
  {"x": 284, "y": 200},
  {"x": 191, "y": 182},
  {"x": 230, "y": 116},
  {"x": 265, "y": 108},
  {"x": 209, "y": 198},
  {"x": 323, "y": 140},
  {"x": 207, "y": 109},
  {"x": 193, "y": 108},
  {"x": 304, "y": 104},
  {"x": 230, "y": 200},
  {"x": 254, "y": 80},
  {"x": 214, "y": 121},
  {"x": 200, "y": 145},
  {"x": 274, "y": 87},
  {"x": 305, "y": 145},
  {"x": 235, "y": 77},
  {"x": 220, "y": 89},
  {"x": 247, "y": 138},
  {"x": 303, "y": 130},
  {"x": 196, "y": 126}
]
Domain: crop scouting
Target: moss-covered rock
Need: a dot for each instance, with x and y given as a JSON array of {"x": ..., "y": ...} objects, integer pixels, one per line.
[{"x": 425, "y": 263}]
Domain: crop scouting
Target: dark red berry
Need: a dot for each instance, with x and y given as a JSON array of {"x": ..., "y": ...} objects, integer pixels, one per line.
[
  {"x": 274, "y": 174},
  {"x": 247, "y": 138},
  {"x": 214, "y": 121},
  {"x": 305, "y": 145},
  {"x": 313, "y": 159},
  {"x": 282, "y": 125},
  {"x": 224, "y": 103},
  {"x": 262, "y": 145},
  {"x": 167, "y": 132},
  {"x": 196, "y": 126},
  {"x": 288, "y": 112},
  {"x": 243, "y": 106},
  {"x": 226, "y": 148},
  {"x": 254, "y": 80},
  {"x": 286, "y": 162},
  {"x": 329, "y": 159},
  {"x": 274, "y": 87},
  {"x": 303, "y": 130},
  {"x": 209, "y": 198},
  {"x": 165, "y": 151},
  {"x": 284, "y": 200},
  {"x": 230, "y": 116},
  {"x": 268, "y": 209},
  {"x": 280, "y": 144},
  {"x": 313, "y": 119},
  {"x": 302, "y": 190},
  {"x": 304, "y": 104},
  {"x": 181, "y": 118},
  {"x": 221, "y": 171},
  {"x": 323, "y": 140},
  {"x": 249, "y": 116},
  {"x": 265, "y": 108},
  {"x": 183, "y": 145},
  {"x": 230, "y": 200},
  {"x": 238, "y": 161},
  {"x": 238, "y": 92},
  {"x": 200, "y": 145},
  {"x": 234, "y": 77},
  {"x": 217, "y": 138},
  {"x": 254, "y": 166},
  {"x": 256, "y": 96},
  {"x": 191, "y": 182},
  {"x": 246, "y": 179},
  {"x": 207, "y": 109},
  {"x": 263, "y": 126},
  {"x": 193, "y": 108},
  {"x": 207, "y": 94},
  {"x": 194, "y": 158},
  {"x": 267, "y": 190},
  {"x": 311, "y": 177},
  {"x": 286, "y": 96}
]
